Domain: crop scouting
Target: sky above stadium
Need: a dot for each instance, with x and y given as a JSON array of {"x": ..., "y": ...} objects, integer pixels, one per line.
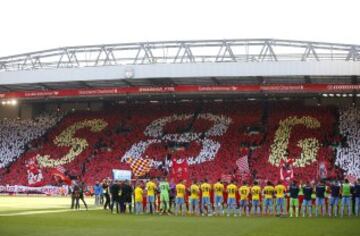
[{"x": 43, "y": 24}]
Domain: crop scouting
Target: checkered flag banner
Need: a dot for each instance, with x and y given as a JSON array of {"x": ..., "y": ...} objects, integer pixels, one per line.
[
  {"x": 140, "y": 167},
  {"x": 243, "y": 165}
]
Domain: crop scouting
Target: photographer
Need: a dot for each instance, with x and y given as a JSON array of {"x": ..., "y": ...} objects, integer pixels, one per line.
[
  {"x": 82, "y": 190},
  {"x": 105, "y": 187}
]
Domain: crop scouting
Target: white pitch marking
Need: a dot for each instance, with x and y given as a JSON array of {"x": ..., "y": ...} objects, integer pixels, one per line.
[{"x": 39, "y": 212}]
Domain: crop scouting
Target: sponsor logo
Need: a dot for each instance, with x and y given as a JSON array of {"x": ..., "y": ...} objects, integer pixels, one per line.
[
  {"x": 156, "y": 89},
  {"x": 97, "y": 91},
  {"x": 282, "y": 87},
  {"x": 217, "y": 88},
  {"x": 41, "y": 93},
  {"x": 344, "y": 87}
]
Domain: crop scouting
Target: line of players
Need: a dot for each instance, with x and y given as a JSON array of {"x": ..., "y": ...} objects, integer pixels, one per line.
[{"x": 251, "y": 198}]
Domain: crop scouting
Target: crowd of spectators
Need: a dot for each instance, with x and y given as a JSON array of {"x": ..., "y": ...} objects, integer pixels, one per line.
[
  {"x": 300, "y": 132},
  {"x": 348, "y": 152},
  {"x": 211, "y": 136},
  {"x": 16, "y": 134}
]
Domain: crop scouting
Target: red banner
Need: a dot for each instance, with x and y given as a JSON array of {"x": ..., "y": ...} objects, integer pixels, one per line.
[
  {"x": 59, "y": 174},
  {"x": 278, "y": 88},
  {"x": 34, "y": 173},
  {"x": 179, "y": 171}
]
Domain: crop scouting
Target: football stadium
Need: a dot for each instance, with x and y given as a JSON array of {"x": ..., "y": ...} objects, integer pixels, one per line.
[{"x": 198, "y": 137}]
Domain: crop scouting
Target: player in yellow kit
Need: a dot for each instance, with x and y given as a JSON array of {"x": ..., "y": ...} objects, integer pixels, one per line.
[
  {"x": 194, "y": 198},
  {"x": 255, "y": 197},
  {"x": 244, "y": 192},
  {"x": 205, "y": 200},
  {"x": 150, "y": 191},
  {"x": 268, "y": 192},
  {"x": 231, "y": 189},
  {"x": 180, "y": 198},
  {"x": 219, "y": 197},
  {"x": 138, "y": 192},
  {"x": 280, "y": 190}
]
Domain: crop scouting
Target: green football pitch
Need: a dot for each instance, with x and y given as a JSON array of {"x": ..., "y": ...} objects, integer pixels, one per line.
[{"x": 50, "y": 216}]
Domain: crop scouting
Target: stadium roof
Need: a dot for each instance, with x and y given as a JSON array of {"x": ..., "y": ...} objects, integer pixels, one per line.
[
  {"x": 171, "y": 63},
  {"x": 174, "y": 52}
]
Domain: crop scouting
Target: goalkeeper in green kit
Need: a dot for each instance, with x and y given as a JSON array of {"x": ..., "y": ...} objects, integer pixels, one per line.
[{"x": 164, "y": 196}]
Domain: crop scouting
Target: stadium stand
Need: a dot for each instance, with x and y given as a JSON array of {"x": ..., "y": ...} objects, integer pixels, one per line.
[
  {"x": 15, "y": 134},
  {"x": 303, "y": 128},
  {"x": 211, "y": 136},
  {"x": 348, "y": 152}
]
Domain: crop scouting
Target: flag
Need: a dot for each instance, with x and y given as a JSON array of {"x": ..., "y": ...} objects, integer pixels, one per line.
[
  {"x": 140, "y": 167},
  {"x": 322, "y": 170},
  {"x": 59, "y": 172},
  {"x": 226, "y": 178},
  {"x": 286, "y": 173},
  {"x": 179, "y": 170},
  {"x": 34, "y": 173},
  {"x": 243, "y": 165}
]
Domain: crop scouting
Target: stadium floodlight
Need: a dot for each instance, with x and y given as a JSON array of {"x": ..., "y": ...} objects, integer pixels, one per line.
[
  {"x": 358, "y": 95},
  {"x": 331, "y": 95},
  {"x": 3, "y": 102},
  {"x": 344, "y": 95},
  {"x": 338, "y": 95},
  {"x": 13, "y": 102},
  {"x": 325, "y": 95}
]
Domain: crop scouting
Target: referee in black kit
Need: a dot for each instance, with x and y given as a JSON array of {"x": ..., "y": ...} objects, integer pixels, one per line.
[
  {"x": 126, "y": 195},
  {"x": 115, "y": 199}
]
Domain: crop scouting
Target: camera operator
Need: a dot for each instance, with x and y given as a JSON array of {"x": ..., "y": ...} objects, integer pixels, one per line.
[
  {"x": 105, "y": 186},
  {"x": 82, "y": 188}
]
